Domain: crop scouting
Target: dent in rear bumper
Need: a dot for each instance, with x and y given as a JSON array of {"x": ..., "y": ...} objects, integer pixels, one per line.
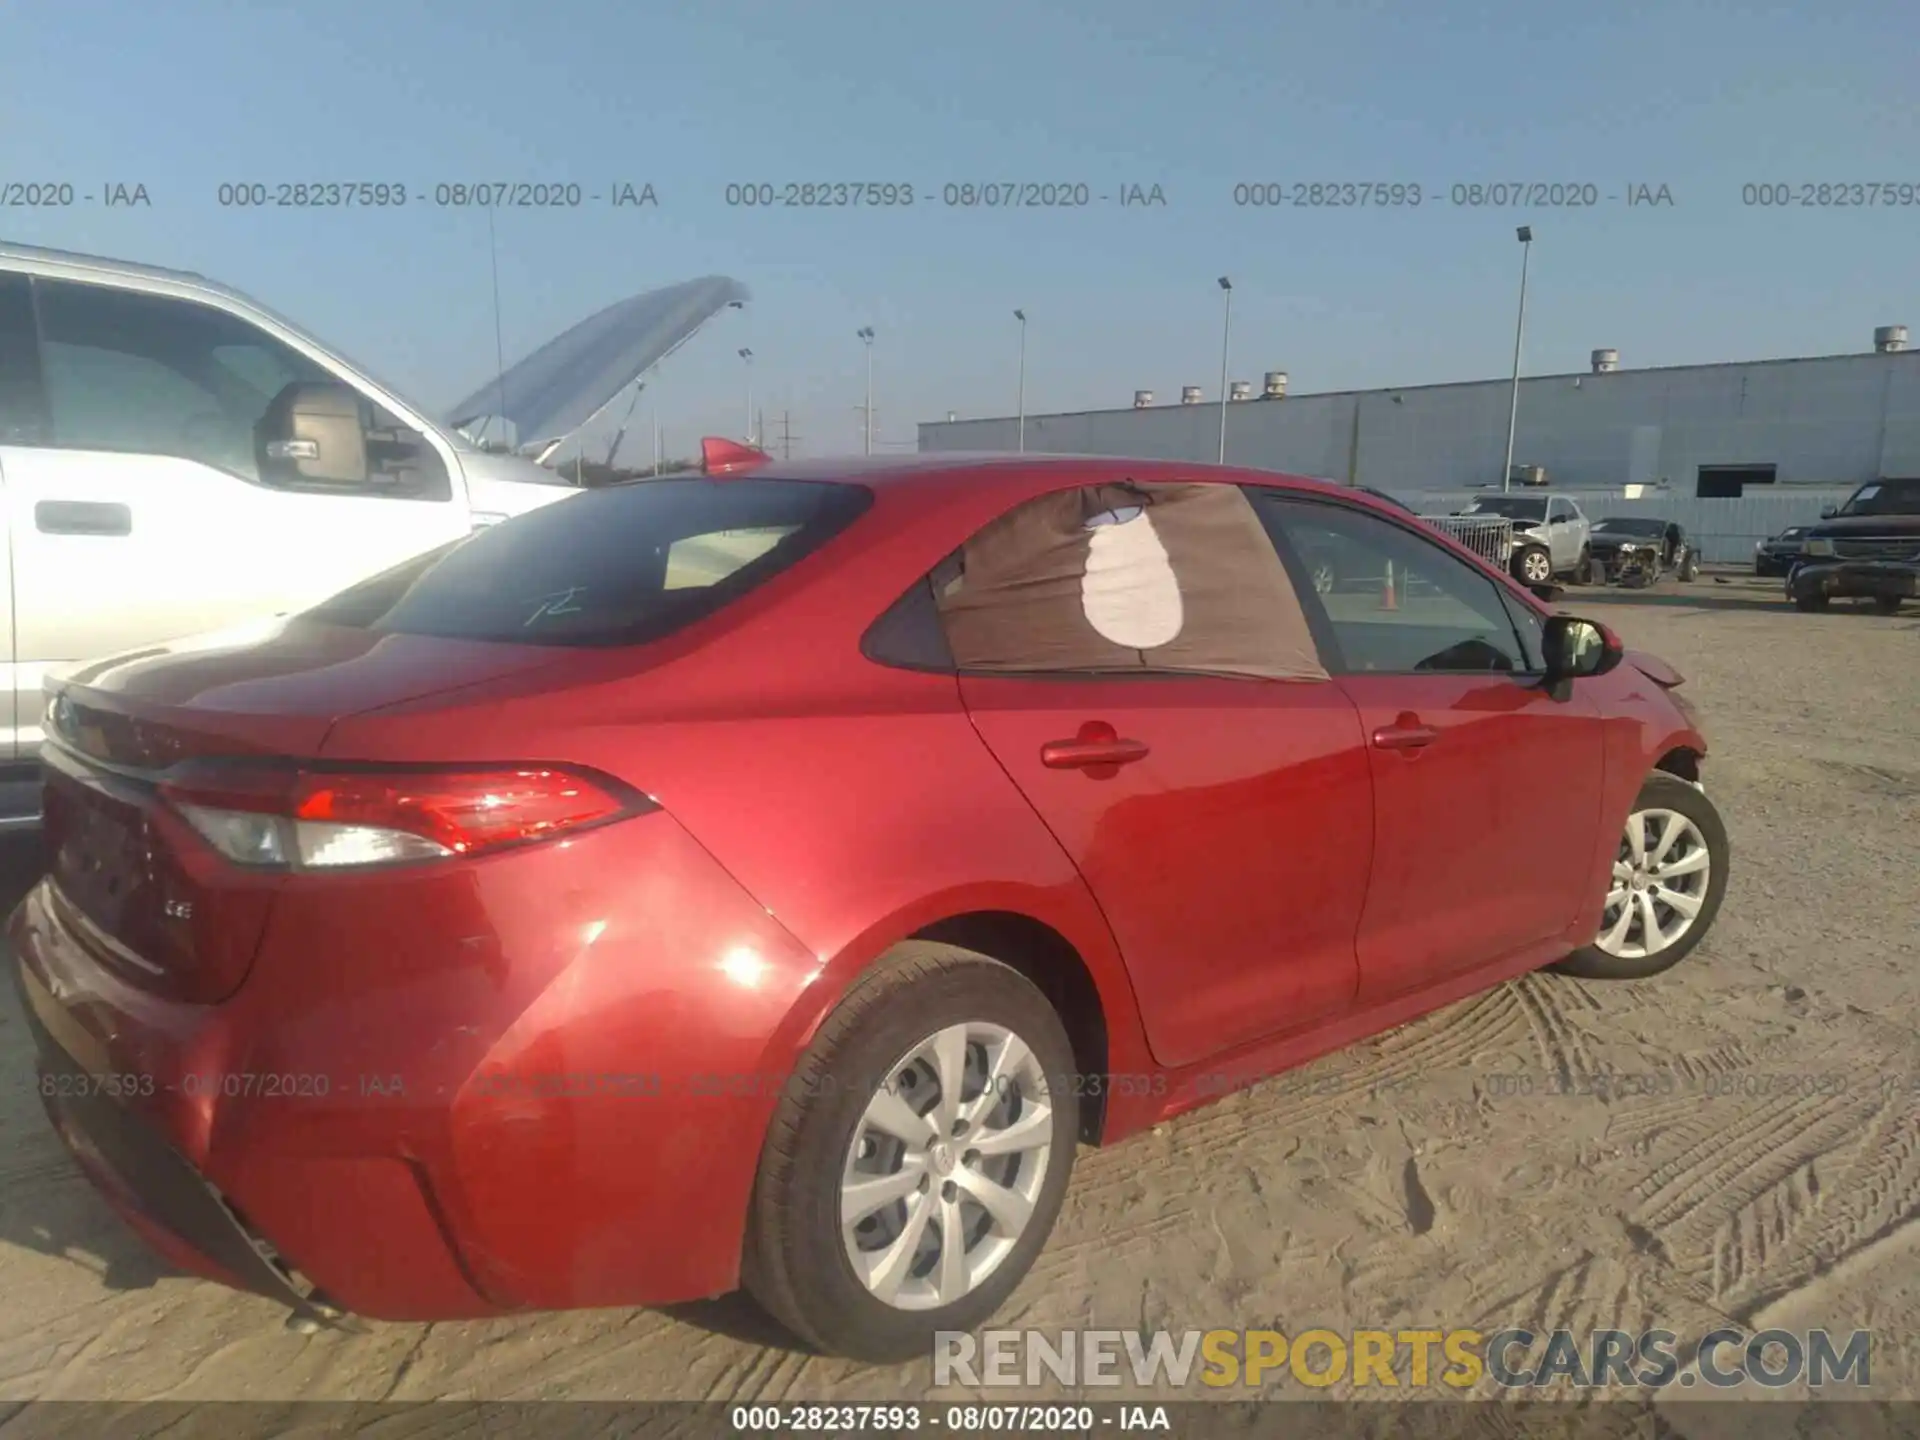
[
  {"x": 461, "y": 1185},
  {"x": 378, "y": 1252}
]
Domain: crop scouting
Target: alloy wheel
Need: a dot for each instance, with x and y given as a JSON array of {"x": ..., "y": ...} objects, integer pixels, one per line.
[
  {"x": 1660, "y": 880},
  {"x": 945, "y": 1166},
  {"x": 1537, "y": 568}
]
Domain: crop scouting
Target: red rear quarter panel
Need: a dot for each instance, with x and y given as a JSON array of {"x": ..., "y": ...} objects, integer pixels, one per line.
[{"x": 852, "y": 802}]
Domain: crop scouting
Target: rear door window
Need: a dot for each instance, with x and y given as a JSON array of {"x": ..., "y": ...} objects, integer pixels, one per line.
[
  {"x": 1127, "y": 578},
  {"x": 621, "y": 565}
]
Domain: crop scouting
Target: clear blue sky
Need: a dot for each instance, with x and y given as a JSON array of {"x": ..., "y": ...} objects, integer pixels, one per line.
[{"x": 1698, "y": 96}]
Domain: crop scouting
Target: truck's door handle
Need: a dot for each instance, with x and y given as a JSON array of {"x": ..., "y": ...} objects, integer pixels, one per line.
[{"x": 82, "y": 517}]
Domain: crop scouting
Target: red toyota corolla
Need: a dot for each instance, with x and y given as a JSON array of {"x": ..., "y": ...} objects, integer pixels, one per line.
[{"x": 770, "y": 877}]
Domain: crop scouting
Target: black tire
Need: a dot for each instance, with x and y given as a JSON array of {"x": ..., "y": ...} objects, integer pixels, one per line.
[
  {"x": 794, "y": 1262},
  {"x": 1520, "y": 560},
  {"x": 1810, "y": 601},
  {"x": 1666, "y": 792},
  {"x": 1887, "y": 604},
  {"x": 1583, "y": 569},
  {"x": 1689, "y": 568}
]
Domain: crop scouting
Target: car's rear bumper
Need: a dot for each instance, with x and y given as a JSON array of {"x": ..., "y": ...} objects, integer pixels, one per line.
[
  {"x": 155, "y": 1189},
  {"x": 539, "y": 1083},
  {"x": 1869, "y": 579}
]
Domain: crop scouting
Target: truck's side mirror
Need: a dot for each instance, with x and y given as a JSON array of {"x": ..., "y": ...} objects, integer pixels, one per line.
[
  {"x": 313, "y": 434},
  {"x": 1827, "y": 512}
]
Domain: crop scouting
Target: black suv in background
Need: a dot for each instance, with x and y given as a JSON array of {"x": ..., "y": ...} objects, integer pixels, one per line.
[
  {"x": 1776, "y": 554},
  {"x": 1869, "y": 547}
]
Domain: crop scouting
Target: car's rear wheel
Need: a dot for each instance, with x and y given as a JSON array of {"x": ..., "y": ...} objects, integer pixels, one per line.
[
  {"x": 918, "y": 1159},
  {"x": 1532, "y": 565},
  {"x": 1668, "y": 879},
  {"x": 1689, "y": 567},
  {"x": 1810, "y": 600}
]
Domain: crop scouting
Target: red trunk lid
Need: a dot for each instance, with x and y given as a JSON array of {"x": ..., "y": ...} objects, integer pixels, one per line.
[{"x": 131, "y": 878}]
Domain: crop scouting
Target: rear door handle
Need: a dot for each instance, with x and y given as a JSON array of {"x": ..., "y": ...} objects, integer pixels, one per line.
[
  {"x": 1404, "y": 735},
  {"x": 1098, "y": 744},
  {"x": 82, "y": 517}
]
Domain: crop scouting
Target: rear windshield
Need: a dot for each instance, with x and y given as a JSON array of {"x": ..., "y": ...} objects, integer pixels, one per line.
[{"x": 616, "y": 566}]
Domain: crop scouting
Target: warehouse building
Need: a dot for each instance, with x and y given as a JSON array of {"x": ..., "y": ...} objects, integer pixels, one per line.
[{"x": 1706, "y": 431}]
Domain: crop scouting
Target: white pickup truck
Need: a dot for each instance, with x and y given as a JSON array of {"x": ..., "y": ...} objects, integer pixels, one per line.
[{"x": 175, "y": 458}]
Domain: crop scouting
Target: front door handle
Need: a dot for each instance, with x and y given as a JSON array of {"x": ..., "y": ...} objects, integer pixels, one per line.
[
  {"x": 82, "y": 517},
  {"x": 1097, "y": 747},
  {"x": 1406, "y": 733}
]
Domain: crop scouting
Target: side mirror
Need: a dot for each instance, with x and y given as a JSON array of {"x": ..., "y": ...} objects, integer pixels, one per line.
[
  {"x": 1827, "y": 512},
  {"x": 313, "y": 435},
  {"x": 1577, "y": 649}
]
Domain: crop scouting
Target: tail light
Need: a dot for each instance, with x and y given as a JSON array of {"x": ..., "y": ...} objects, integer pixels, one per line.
[{"x": 287, "y": 819}]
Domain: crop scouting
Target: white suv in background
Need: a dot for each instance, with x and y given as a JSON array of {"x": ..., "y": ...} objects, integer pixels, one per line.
[{"x": 176, "y": 459}]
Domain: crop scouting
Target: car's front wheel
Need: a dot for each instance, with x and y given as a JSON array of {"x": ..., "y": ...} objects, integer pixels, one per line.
[
  {"x": 1533, "y": 565},
  {"x": 918, "y": 1158},
  {"x": 1667, "y": 882}
]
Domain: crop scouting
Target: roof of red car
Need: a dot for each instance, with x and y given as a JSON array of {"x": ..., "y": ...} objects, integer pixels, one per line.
[{"x": 898, "y": 469}]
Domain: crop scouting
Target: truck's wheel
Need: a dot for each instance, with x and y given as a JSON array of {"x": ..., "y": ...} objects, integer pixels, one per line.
[
  {"x": 917, "y": 1162},
  {"x": 1533, "y": 565},
  {"x": 1813, "y": 600},
  {"x": 1887, "y": 604}
]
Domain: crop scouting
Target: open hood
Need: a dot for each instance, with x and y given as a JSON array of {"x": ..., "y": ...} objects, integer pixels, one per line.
[{"x": 564, "y": 384}]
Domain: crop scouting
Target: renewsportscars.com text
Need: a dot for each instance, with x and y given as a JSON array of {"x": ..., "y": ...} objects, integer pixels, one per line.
[{"x": 1457, "y": 1359}]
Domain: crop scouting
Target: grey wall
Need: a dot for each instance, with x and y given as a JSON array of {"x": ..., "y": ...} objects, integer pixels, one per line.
[{"x": 1840, "y": 420}]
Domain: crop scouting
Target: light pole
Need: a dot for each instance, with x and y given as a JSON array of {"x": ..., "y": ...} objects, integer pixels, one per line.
[
  {"x": 1525, "y": 234},
  {"x": 1226, "y": 337},
  {"x": 865, "y": 332},
  {"x": 747, "y": 355},
  {"x": 1021, "y": 316}
]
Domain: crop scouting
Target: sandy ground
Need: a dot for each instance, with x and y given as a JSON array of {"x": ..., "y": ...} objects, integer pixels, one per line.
[{"x": 1464, "y": 1170}]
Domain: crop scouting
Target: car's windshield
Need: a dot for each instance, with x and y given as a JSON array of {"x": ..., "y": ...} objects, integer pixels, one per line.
[
  {"x": 1620, "y": 526},
  {"x": 1885, "y": 497},
  {"x": 1513, "y": 507},
  {"x": 616, "y": 566}
]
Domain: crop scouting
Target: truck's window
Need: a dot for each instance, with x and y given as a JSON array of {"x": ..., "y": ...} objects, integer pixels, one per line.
[
  {"x": 23, "y": 401},
  {"x": 145, "y": 374},
  {"x": 1885, "y": 497},
  {"x": 615, "y": 566},
  {"x": 151, "y": 375}
]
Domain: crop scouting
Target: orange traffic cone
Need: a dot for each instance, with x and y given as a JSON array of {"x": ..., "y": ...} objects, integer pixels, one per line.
[{"x": 1389, "y": 597}]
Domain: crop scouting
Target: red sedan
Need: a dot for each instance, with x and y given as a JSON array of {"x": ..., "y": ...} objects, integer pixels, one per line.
[{"x": 769, "y": 878}]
